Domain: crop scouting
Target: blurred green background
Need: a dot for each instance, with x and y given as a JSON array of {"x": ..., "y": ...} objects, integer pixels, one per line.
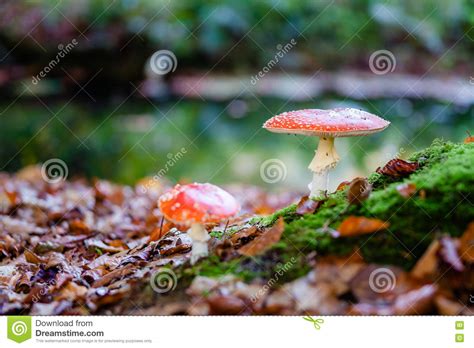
[{"x": 106, "y": 114}]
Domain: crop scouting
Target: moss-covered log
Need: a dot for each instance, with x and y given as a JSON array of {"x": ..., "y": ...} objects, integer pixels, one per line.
[{"x": 442, "y": 204}]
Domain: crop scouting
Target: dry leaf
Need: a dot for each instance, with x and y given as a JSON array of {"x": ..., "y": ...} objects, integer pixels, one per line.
[
  {"x": 32, "y": 257},
  {"x": 98, "y": 244},
  {"x": 398, "y": 168},
  {"x": 415, "y": 302},
  {"x": 343, "y": 185},
  {"x": 358, "y": 225},
  {"x": 78, "y": 227},
  {"x": 359, "y": 191},
  {"x": 466, "y": 244},
  {"x": 226, "y": 305},
  {"x": 308, "y": 206},
  {"x": 406, "y": 190},
  {"x": 160, "y": 231},
  {"x": 264, "y": 241},
  {"x": 178, "y": 249},
  {"x": 427, "y": 265},
  {"x": 244, "y": 235},
  {"x": 447, "y": 306},
  {"x": 449, "y": 253}
]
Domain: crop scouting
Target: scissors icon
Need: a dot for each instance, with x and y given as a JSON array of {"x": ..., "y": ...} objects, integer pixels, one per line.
[{"x": 316, "y": 322}]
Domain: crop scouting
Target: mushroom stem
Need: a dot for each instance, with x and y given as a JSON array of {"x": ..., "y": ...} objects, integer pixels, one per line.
[
  {"x": 199, "y": 236},
  {"x": 319, "y": 184},
  {"x": 324, "y": 160}
]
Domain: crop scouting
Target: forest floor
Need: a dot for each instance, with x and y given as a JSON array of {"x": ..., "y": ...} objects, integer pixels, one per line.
[{"x": 400, "y": 241}]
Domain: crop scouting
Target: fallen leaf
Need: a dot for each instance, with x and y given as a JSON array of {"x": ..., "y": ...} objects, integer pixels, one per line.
[
  {"x": 244, "y": 235},
  {"x": 358, "y": 225},
  {"x": 53, "y": 308},
  {"x": 423, "y": 194},
  {"x": 398, "y": 168},
  {"x": 447, "y": 306},
  {"x": 202, "y": 285},
  {"x": 308, "y": 206},
  {"x": 77, "y": 226},
  {"x": 225, "y": 250},
  {"x": 449, "y": 253},
  {"x": 264, "y": 241},
  {"x": 226, "y": 305},
  {"x": 415, "y": 302},
  {"x": 160, "y": 231},
  {"x": 427, "y": 265},
  {"x": 375, "y": 283},
  {"x": 359, "y": 191},
  {"x": 32, "y": 257},
  {"x": 98, "y": 244},
  {"x": 178, "y": 249},
  {"x": 72, "y": 292},
  {"x": 115, "y": 274},
  {"x": 466, "y": 244},
  {"x": 406, "y": 190},
  {"x": 342, "y": 185},
  {"x": 31, "y": 173}
]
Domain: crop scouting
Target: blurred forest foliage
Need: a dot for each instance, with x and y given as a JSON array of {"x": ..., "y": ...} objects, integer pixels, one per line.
[
  {"x": 96, "y": 133},
  {"x": 329, "y": 34}
]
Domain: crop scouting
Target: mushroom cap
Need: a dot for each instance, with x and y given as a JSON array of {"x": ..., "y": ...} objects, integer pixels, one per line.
[
  {"x": 338, "y": 122},
  {"x": 197, "y": 203}
]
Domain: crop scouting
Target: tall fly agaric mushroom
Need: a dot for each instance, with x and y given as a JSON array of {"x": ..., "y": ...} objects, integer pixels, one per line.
[
  {"x": 327, "y": 125},
  {"x": 195, "y": 206}
]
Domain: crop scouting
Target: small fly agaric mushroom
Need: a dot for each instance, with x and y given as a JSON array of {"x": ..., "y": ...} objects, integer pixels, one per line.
[
  {"x": 195, "y": 206},
  {"x": 327, "y": 125}
]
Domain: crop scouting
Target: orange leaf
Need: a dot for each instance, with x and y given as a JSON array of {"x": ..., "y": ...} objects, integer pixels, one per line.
[
  {"x": 406, "y": 190},
  {"x": 308, "y": 206},
  {"x": 343, "y": 185},
  {"x": 359, "y": 191},
  {"x": 264, "y": 241},
  {"x": 77, "y": 226},
  {"x": 160, "y": 231},
  {"x": 466, "y": 247},
  {"x": 357, "y": 225}
]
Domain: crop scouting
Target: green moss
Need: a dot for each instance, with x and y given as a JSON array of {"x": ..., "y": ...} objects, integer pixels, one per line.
[
  {"x": 213, "y": 267},
  {"x": 446, "y": 178}
]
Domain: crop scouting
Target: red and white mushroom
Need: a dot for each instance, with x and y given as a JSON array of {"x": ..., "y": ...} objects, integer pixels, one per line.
[
  {"x": 195, "y": 206},
  {"x": 327, "y": 125}
]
